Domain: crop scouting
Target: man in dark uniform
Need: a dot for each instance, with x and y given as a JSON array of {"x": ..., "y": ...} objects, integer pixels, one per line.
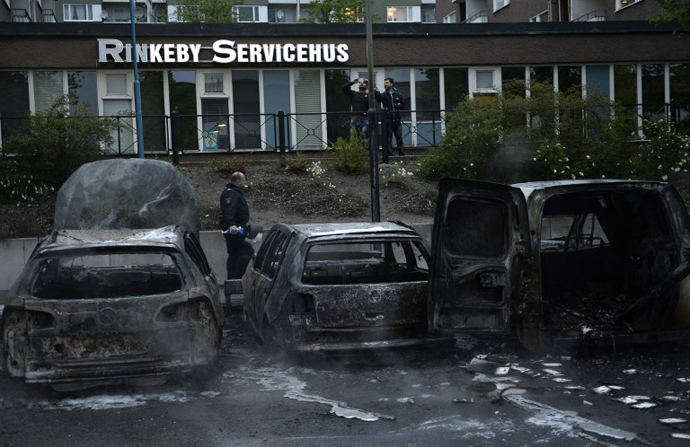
[
  {"x": 359, "y": 124},
  {"x": 234, "y": 222},
  {"x": 392, "y": 101}
]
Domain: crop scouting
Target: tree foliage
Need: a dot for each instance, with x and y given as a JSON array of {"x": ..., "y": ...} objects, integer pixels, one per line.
[
  {"x": 53, "y": 144},
  {"x": 674, "y": 11},
  {"x": 208, "y": 11},
  {"x": 334, "y": 11}
]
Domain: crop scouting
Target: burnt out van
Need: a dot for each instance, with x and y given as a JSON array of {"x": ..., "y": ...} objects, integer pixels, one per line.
[{"x": 561, "y": 263}]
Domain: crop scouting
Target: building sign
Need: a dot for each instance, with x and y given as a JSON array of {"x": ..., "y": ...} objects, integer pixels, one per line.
[{"x": 224, "y": 51}]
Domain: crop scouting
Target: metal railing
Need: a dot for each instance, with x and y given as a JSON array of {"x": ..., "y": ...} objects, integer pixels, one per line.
[
  {"x": 285, "y": 132},
  {"x": 480, "y": 17},
  {"x": 592, "y": 16}
]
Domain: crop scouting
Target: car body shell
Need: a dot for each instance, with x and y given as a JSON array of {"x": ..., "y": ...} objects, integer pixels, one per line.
[
  {"x": 324, "y": 288},
  {"x": 114, "y": 315},
  {"x": 546, "y": 259}
]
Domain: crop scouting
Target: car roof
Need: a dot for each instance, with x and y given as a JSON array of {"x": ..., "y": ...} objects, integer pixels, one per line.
[
  {"x": 352, "y": 228},
  {"x": 529, "y": 187},
  {"x": 170, "y": 236}
]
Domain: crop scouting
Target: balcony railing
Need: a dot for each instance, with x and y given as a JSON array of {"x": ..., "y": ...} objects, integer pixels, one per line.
[
  {"x": 20, "y": 15},
  {"x": 593, "y": 16},
  {"x": 49, "y": 16},
  {"x": 480, "y": 17}
]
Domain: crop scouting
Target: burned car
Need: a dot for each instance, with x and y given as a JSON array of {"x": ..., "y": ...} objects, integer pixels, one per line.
[
  {"x": 562, "y": 263},
  {"x": 111, "y": 295},
  {"x": 340, "y": 288},
  {"x": 112, "y": 305}
]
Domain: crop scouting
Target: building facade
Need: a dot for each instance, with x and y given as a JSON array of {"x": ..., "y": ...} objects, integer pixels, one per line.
[
  {"x": 502, "y": 11},
  {"x": 231, "y": 87}
]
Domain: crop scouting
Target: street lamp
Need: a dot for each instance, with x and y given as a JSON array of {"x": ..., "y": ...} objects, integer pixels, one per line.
[
  {"x": 373, "y": 150},
  {"x": 137, "y": 87}
]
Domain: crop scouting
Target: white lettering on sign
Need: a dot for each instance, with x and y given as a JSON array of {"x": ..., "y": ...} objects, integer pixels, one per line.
[{"x": 225, "y": 52}]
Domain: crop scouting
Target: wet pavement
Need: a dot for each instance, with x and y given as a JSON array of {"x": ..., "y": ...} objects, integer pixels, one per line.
[{"x": 486, "y": 392}]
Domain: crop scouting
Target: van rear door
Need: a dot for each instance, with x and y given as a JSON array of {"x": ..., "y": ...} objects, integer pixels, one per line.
[{"x": 480, "y": 247}]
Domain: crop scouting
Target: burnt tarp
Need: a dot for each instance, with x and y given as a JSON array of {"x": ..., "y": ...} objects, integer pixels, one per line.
[{"x": 126, "y": 194}]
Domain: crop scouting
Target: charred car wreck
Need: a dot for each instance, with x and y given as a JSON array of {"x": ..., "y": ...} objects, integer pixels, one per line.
[
  {"x": 121, "y": 291},
  {"x": 108, "y": 306},
  {"x": 562, "y": 263},
  {"x": 340, "y": 288}
]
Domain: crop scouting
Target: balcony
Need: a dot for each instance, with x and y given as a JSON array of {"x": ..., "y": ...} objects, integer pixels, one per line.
[
  {"x": 480, "y": 17},
  {"x": 592, "y": 16},
  {"x": 49, "y": 16},
  {"x": 20, "y": 15}
]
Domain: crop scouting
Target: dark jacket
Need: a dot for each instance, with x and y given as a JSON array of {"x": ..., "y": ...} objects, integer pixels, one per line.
[
  {"x": 233, "y": 207},
  {"x": 389, "y": 101},
  {"x": 360, "y": 101}
]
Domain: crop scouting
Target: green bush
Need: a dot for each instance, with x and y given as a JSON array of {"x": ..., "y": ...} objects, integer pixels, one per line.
[
  {"x": 471, "y": 139},
  {"x": 350, "y": 155},
  {"x": 54, "y": 143}
]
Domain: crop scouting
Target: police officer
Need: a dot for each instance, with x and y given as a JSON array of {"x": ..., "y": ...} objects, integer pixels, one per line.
[{"x": 235, "y": 215}]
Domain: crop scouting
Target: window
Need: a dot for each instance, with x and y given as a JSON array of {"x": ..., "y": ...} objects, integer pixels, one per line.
[
  {"x": 83, "y": 91},
  {"x": 213, "y": 82},
  {"x": 451, "y": 18},
  {"x": 404, "y": 14},
  {"x": 153, "y": 110},
  {"x": 245, "y": 94},
  {"x": 569, "y": 78},
  {"x": 16, "y": 105},
  {"x": 679, "y": 80},
  {"x": 182, "y": 92},
  {"x": 498, "y": 4},
  {"x": 476, "y": 228},
  {"x": 653, "y": 96},
  {"x": 276, "y": 98},
  {"x": 457, "y": 86},
  {"x": 365, "y": 262},
  {"x": 620, "y": 4},
  {"x": 81, "y": 13},
  {"x": 308, "y": 121},
  {"x": 427, "y": 94},
  {"x": 484, "y": 81},
  {"x": 117, "y": 101},
  {"x": 48, "y": 87},
  {"x": 247, "y": 13}
]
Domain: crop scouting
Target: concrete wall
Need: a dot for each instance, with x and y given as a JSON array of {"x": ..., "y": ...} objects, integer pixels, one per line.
[{"x": 15, "y": 252}]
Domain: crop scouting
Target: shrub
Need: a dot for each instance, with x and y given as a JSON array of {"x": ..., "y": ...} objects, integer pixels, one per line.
[
  {"x": 297, "y": 164},
  {"x": 666, "y": 151},
  {"x": 471, "y": 139},
  {"x": 54, "y": 143},
  {"x": 19, "y": 186},
  {"x": 350, "y": 155},
  {"x": 232, "y": 164}
]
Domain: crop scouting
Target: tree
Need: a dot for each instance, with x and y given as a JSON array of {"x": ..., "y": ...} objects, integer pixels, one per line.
[
  {"x": 677, "y": 11},
  {"x": 208, "y": 11},
  {"x": 334, "y": 11}
]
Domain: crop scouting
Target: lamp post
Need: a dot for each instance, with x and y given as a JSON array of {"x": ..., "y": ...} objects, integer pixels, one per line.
[
  {"x": 137, "y": 86},
  {"x": 373, "y": 122}
]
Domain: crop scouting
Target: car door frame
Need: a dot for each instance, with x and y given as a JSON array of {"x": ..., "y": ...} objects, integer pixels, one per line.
[{"x": 464, "y": 287}]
